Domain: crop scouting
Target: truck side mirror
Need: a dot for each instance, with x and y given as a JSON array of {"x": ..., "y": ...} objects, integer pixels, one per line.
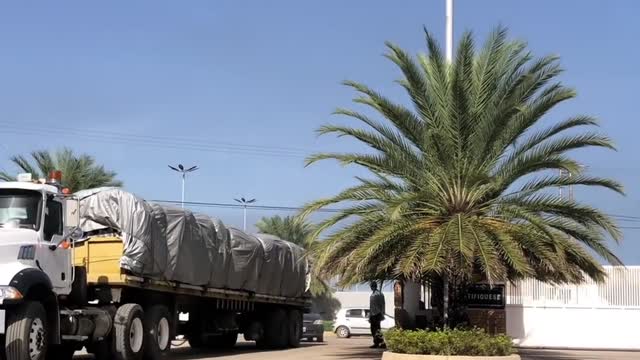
[{"x": 72, "y": 213}]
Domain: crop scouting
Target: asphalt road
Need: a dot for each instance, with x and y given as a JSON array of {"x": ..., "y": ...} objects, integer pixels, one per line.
[{"x": 358, "y": 348}]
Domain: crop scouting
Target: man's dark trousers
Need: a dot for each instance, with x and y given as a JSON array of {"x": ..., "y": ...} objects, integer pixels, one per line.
[{"x": 375, "y": 329}]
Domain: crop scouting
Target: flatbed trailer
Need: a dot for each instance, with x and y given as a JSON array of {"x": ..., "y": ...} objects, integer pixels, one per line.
[{"x": 215, "y": 316}]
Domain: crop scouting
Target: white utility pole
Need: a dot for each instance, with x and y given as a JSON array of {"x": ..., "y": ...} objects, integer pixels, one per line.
[{"x": 449, "y": 31}]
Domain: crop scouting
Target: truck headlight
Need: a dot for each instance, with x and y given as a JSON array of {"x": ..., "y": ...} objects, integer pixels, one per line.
[
  {"x": 318, "y": 322},
  {"x": 9, "y": 293}
]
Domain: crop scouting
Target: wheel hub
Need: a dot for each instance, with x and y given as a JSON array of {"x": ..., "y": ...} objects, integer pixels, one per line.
[
  {"x": 136, "y": 334},
  {"x": 36, "y": 339}
]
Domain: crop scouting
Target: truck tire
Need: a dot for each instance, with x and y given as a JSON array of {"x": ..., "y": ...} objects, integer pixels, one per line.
[
  {"x": 157, "y": 327},
  {"x": 26, "y": 335},
  {"x": 295, "y": 328},
  {"x": 128, "y": 333},
  {"x": 78, "y": 295},
  {"x": 276, "y": 334}
]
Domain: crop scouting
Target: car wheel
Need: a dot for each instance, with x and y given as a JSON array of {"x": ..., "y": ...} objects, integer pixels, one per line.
[
  {"x": 320, "y": 339},
  {"x": 343, "y": 332}
]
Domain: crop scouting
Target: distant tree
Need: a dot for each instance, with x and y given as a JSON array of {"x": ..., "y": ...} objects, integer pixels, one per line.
[
  {"x": 79, "y": 172},
  {"x": 297, "y": 231}
]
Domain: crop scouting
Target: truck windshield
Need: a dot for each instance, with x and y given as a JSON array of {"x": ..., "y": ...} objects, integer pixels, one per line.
[{"x": 20, "y": 208}]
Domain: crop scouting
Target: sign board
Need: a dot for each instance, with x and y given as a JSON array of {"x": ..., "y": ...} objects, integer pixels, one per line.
[{"x": 484, "y": 296}]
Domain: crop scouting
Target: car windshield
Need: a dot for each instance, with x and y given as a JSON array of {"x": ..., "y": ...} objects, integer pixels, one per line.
[{"x": 20, "y": 208}]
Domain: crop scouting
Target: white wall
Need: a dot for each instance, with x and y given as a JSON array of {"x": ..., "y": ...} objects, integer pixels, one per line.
[
  {"x": 571, "y": 327},
  {"x": 361, "y": 299},
  {"x": 592, "y": 315}
]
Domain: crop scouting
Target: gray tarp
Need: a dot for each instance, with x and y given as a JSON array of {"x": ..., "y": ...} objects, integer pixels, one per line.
[{"x": 174, "y": 244}]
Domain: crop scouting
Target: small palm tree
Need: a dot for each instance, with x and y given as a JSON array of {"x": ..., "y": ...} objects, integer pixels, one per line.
[
  {"x": 297, "y": 231},
  {"x": 290, "y": 228},
  {"x": 462, "y": 182},
  {"x": 79, "y": 172}
]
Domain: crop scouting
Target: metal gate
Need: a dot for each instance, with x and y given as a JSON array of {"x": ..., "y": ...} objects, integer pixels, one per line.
[{"x": 589, "y": 316}]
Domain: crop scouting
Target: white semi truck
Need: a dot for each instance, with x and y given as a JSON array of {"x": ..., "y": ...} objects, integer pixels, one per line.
[{"x": 62, "y": 289}]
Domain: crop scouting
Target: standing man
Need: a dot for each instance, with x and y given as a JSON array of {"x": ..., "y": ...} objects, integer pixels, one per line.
[{"x": 376, "y": 315}]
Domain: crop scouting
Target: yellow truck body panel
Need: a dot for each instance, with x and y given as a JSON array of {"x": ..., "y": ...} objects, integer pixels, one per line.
[{"x": 100, "y": 255}]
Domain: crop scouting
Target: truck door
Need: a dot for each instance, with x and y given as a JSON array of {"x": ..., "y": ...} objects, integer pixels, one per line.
[{"x": 55, "y": 263}]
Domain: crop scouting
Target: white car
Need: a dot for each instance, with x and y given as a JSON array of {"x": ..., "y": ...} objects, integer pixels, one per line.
[{"x": 355, "y": 321}]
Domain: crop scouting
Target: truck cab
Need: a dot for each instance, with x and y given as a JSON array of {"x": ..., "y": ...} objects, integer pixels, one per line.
[{"x": 35, "y": 263}]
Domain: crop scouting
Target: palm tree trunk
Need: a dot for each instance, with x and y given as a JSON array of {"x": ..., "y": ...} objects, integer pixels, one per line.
[{"x": 445, "y": 306}]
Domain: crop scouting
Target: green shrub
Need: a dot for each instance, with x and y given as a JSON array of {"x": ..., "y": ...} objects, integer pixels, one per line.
[
  {"x": 448, "y": 342},
  {"x": 328, "y": 325}
]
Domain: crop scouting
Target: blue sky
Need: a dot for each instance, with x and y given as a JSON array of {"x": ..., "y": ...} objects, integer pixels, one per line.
[{"x": 247, "y": 82}]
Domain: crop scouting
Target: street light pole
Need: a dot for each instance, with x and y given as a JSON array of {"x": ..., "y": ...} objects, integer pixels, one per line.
[
  {"x": 449, "y": 55},
  {"x": 449, "y": 31},
  {"x": 244, "y": 203},
  {"x": 183, "y": 171}
]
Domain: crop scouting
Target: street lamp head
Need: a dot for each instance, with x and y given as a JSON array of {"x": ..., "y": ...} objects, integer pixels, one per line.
[
  {"x": 181, "y": 168},
  {"x": 243, "y": 200}
]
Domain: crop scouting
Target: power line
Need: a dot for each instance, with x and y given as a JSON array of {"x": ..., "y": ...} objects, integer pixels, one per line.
[
  {"x": 239, "y": 206},
  {"x": 159, "y": 141}
]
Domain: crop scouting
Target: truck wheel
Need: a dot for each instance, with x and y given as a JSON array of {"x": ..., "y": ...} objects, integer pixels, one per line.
[
  {"x": 26, "y": 335},
  {"x": 157, "y": 341},
  {"x": 276, "y": 332},
  {"x": 128, "y": 333},
  {"x": 295, "y": 328}
]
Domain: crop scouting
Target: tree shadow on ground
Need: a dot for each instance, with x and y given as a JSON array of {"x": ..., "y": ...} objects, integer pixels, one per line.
[
  {"x": 186, "y": 353},
  {"x": 361, "y": 352}
]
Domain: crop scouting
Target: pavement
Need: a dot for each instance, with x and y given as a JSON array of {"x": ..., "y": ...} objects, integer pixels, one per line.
[{"x": 358, "y": 348}]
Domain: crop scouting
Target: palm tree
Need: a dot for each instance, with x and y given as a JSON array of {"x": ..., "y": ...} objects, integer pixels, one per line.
[
  {"x": 461, "y": 183},
  {"x": 290, "y": 228},
  {"x": 297, "y": 231},
  {"x": 79, "y": 172}
]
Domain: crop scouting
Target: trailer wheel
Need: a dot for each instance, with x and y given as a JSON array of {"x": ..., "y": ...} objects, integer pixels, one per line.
[
  {"x": 128, "y": 333},
  {"x": 295, "y": 328},
  {"x": 26, "y": 335},
  {"x": 157, "y": 327},
  {"x": 276, "y": 332}
]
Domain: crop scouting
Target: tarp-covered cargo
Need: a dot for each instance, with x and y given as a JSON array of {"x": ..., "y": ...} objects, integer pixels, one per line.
[{"x": 168, "y": 243}]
